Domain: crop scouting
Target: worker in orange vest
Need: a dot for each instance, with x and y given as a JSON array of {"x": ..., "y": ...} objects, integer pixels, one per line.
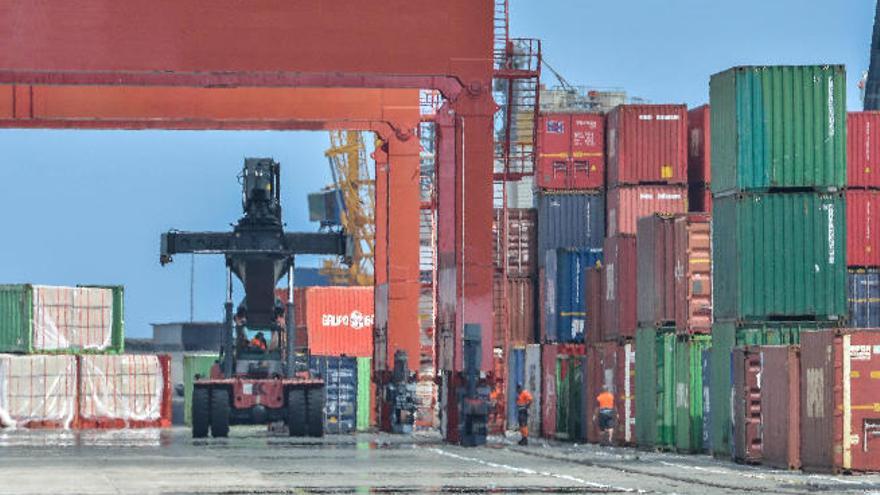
[
  {"x": 605, "y": 415},
  {"x": 259, "y": 342},
  {"x": 523, "y": 401}
]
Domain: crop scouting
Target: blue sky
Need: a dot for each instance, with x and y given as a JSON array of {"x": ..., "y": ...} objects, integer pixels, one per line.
[{"x": 88, "y": 207}]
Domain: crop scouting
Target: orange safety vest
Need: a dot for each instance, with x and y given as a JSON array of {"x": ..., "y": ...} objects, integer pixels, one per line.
[
  {"x": 605, "y": 400},
  {"x": 524, "y": 398},
  {"x": 255, "y": 342}
]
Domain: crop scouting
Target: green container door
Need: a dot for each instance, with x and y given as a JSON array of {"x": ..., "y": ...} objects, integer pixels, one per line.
[
  {"x": 778, "y": 127},
  {"x": 689, "y": 392},
  {"x": 721, "y": 388},
  {"x": 646, "y": 387},
  {"x": 665, "y": 348},
  {"x": 779, "y": 255},
  {"x": 194, "y": 364},
  {"x": 563, "y": 384},
  {"x": 364, "y": 397},
  {"x": 768, "y": 333},
  {"x": 576, "y": 415},
  {"x": 16, "y": 317}
]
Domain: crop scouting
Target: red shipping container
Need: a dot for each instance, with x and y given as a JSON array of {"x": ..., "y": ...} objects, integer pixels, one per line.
[
  {"x": 863, "y": 149},
  {"x": 699, "y": 198},
  {"x": 780, "y": 406},
  {"x": 747, "y": 438},
  {"x": 49, "y": 401},
  {"x": 522, "y": 242},
  {"x": 549, "y": 352},
  {"x": 598, "y": 373},
  {"x": 594, "y": 295},
  {"x": 520, "y": 311},
  {"x": 647, "y": 144},
  {"x": 625, "y": 393},
  {"x": 620, "y": 287},
  {"x": 699, "y": 146},
  {"x": 571, "y": 151},
  {"x": 124, "y": 391},
  {"x": 335, "y": 321},
  {"x": 625, "y": 205},
  {"x": 862, "y": 228},
  {"x": 840, "y": 400},
  {"x": 693, "y": 273}
]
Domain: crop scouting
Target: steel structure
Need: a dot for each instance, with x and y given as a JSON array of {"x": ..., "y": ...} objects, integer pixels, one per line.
[{"x": 872, "y": 84}]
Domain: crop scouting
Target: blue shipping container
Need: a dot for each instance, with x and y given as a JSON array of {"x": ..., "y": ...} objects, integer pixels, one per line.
[
  {"x": 570, "y": 220},
  {"x": 569, "y": 304},
  {"x": 341, "y": 391},
  {"x": 516, "y": 374},
  {"x": 864, "y": 298}
]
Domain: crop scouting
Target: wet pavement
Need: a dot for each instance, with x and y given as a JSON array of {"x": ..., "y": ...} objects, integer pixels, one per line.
[{"x": 254, "y": 462}]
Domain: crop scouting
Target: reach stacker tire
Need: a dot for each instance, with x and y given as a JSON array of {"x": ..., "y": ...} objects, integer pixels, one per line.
[
  {"x": 201, "y": 412},
  {"x": 296, "y": 412},
  {"x": 219, "y": 413},
  {"x": 315, "y": 400}
]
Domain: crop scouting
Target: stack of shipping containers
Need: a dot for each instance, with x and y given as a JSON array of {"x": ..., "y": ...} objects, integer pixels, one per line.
[
  {"x": 570, "y": 179},
  {"x": 779, "y": 257},
  {"x": 62, "y": 364}
]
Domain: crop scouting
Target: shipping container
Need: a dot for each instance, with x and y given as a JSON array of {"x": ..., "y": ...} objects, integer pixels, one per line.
[
  {"x": 864, "y": 298},
  {"x": 693, "y": 273},
  {"x": 124, "y": 391},
  {"x": 549, "y": 353},
  {"x": 862, "y": 228},
  {"x": 699, "y": 146},
  {"x": 625, "y": 386},
  {"x": 780, "y": 406},
  {"x": 565, "y": 270},
  {"x": 689, "y": 406},
  {"x": 773, "y": 333},
  {"x": 646, "y": 387},
  {"x": 340, "y": 375},
  {"x": 707, "y": 400},
  {"x": 699, "y": 198},
  {"x": 747, "y": 439},
  {"x": 721, "y": 391},
  {"x": 778, "y": 127},
  {"x": 570, "y": 220},
  {"x": 840, "y": 422},
  {"x": 520, "y": 318},
  {"x": 629, "y": 203},
  {"x": 49, "y": 401},
  {"x": 46, "y": 319},
  {"x": 594, "y": 296},
  {"x": 599, "y": 374},
  {"x": 647, "y": 144},
  {"x": 779, "y": 256},
  {"x": 522, "y": 242},
  {"x": 656, "y": 257},
  {"x": 570, "y": 415},
  {"x": 364, "y": 393},
  {"x": 571, "y": 151},
  {"x": 620, "y": 287},
  {"x": 335, "y": 320},
  {"x": 516, "y": 375},
  {"x": 533, "y": 385},
  {"x": 194, "y": 365},
  {"x": 863, "y": 149}
]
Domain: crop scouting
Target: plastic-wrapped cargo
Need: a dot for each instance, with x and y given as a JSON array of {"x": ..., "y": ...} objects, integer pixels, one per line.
[
  {"x": 571, "y": 151},
  {"x": 620, "y": 287},
  {"x": 124, "y": 391},
  {"x": 780, "y": 406},
  {"x": 778, "y": 127},
  {"x": 625, "y": 385},
  {"x": 864, "y": 298},
  {"x": 779, "y": 256},
  {"x": 194, "y": 365},
  {"x": 625, "y": 205},
  {"x": 699, "y": 146},
  {"x": 693, "y": 273},
  {"x": 565, "y": 302},
  {"x": 747, "y": 439},
  {"x": 335, "y": 321},
  {"x": 863, "y": 149},
  {"x": 40, "y": 319},
  {"x": 533, "y": 385},
  {"x": 656, "y": 275},
  {"x": 840, "y": 425},
  {"x": 862, "y": 228},
  {"x": 38, "y": 391},
  {"x": 689, "y": 392},
  {"x": 521, "y": 316},
  {"x": 340, "y": 375},
  {"x": 647, "y": 144},
  {"x": 570, "y": 220},
  {"x": 549, "y": 353},
  {"x": 522, "y": 242}
]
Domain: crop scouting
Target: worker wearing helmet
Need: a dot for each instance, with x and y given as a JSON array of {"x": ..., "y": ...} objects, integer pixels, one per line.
[
  {"x": 605, "y": 415},
  {"x": 259, "y": 342},
  {"x": 523, "y": 401}
]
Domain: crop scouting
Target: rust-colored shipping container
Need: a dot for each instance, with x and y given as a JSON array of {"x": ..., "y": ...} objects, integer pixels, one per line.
[
  {"x": 699, "y": 146},
  {"x": 124, "y": 391},
  {"x": 620, "y": 287},
  {"x": 693, "y": 273},
  {"x": 600, "y": 372},
  {"x": 625, "y": 393},
  {"x": 595, "y": 295},
  {"x": 625, "y": 205},
  {"x": 863, "y": 149},
  {"x": 840, "y": 393},
  {"x": 747, "y": 439},
  {"x": 522, "y": 241},
  {"x": 647, "y": 144},
  {"x": 549, "y": 352},
  {"x": 863, "y": 228},
  {"x": 655, "y": 244},
  {"x": 335, "y": 321},
  {"x": 571, "y": 151},
  {"x": 780, "y": 406},
  {"x": 699, "y": 198},
  {"x": 521, "y": 316}
]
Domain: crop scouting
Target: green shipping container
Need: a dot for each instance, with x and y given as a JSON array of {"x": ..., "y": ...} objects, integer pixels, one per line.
[
  {"x": 646, "y": 387},
  {"x": 779, "y": 255},
  {"x": 778, "y": 127},
  {"x": 773, "y": 333},
  {"x": 665, "y": 348},
  {"x": 570, "y": 413},
  {"x": 721, "y": 388},
  {"x": 689, "y": 392},
  {"x": 194, "y": 364},
  {"x": 364, "y": 397},
  {"x": 47, "y": 319}
]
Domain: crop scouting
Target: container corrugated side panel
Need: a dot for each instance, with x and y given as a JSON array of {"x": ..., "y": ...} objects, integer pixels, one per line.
[
  {"x": 594, "y": 295},
  {"x": 861, "y": 418},
  {"x": 646, "y": 388},
  {"x": 340, "y": 375},
  {"x": 656, "y": 270},
  {"x": 624, "y": 391},
  {"x": 818, "y": 404},
  {"x": 629, "y": 203},
  {"x": 863, "y": 149},
  {"x": 774, "y": 333},
  {"x": 570, "y": 220},
  {"x": 707, "y": 399},
  {"x": 548, "y": 390},
  {"x": 723, "y": 339},
  {"x": 778, "y": 127},
  {"x": 364, "y": 397},
  {"x": 550, "y": 319},
  {"x": 864, "y": 298},
  {"x": 340, "y": 321},
  {"x": 620, "y": 287},
  {"x": 194, "y": 364},
  {"x": 16, "y": 315},
  {"x": 521, "y": 311},
  {"x": 533, "y": 385},
  {"x": 576, "y": 415},
  {"x": 571, "y": 308},
  {"x": 689, "y": 392},
  {"x": 862, "y": 228},
  {"x": 516, "y": 370},
  {"x": 779, "y": 255},
  {"x": 647, "y": 143},
  {"x": 699, "y": 145},
  {"x": 563, "y": 396},
  {"x": 699, "y": 198},
  {"x": 693, "y": 273},
  {"x": 780, "y": 406},
  {"x": 666, "y": 396},
  {"x": 522, "y": 241}
]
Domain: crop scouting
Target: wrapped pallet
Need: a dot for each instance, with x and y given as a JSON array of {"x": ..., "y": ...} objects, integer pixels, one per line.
[
  {"x": 37, "y": 391},
  {"x": 127, "y": 391}
]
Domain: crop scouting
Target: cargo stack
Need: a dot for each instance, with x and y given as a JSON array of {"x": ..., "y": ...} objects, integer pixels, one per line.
[
  {"x": 863, "y": 218},
  {"x": 62, "y": 364},
  {"x": 779, "y": 229},
  {"x": 699, "y": 160}
]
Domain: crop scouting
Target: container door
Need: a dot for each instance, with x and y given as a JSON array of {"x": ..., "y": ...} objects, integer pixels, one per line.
[
  {"x": 563, "y": 397},
  {"x": 707, "y": 387},
  {"x": 533, "y": 382},
  {"x": 548, "y": 391},
  {"x": 554, "y": 140},
  {"x": 576, "y": 389}
]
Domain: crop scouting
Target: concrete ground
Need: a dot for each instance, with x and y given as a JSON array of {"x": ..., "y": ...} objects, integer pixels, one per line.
[{"x": 254, "y": 462}]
